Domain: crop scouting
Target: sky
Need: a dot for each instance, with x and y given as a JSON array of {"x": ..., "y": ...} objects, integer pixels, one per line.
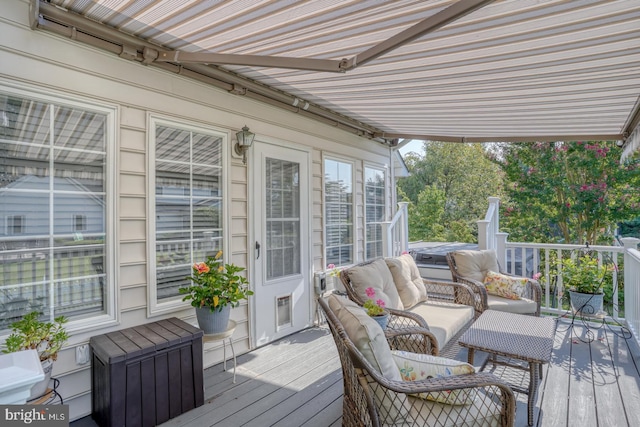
[{"x": 414, "y": 145}]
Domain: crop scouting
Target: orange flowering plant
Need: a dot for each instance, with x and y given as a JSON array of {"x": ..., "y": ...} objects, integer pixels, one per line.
[{"x": 216, "y": 284}]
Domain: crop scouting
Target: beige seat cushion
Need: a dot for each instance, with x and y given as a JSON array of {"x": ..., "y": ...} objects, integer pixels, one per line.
[
  {"x": 475, "y": 264},
  {"x": 368, "y": 337},
  {"x": 445, "y": 320},
  {"x": 375, "y": 275},
  {"x": 407, "y": 279},
  {"x": 521, "y": 306}
]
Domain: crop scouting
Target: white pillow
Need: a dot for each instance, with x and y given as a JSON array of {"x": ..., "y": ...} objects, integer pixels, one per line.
[{"x": 415, "y": 367}]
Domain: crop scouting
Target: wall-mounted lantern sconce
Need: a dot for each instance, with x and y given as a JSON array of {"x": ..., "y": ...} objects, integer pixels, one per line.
[{"x": 244, "y": 141}]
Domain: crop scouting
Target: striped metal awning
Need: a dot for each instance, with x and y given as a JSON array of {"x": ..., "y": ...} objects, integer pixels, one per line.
[{"x": 470, "y": 70}]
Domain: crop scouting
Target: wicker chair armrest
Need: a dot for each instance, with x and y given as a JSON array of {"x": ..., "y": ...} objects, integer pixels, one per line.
[
  {"x": 414, "y": 340},
  {"x": 403, "y": 319},
  {"x": 492, "y": 386},
  {"x": 463, "y": 292},
  {"x": 479, "y": 290},
  {"x": 454, "y": 382}
]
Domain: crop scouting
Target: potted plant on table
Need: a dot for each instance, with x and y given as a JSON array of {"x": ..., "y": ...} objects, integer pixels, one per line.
[
  {"x": 375, "y": 308},
  {"x": 215, "y": 289},
  {"x": 47, "y": 338},
  {"x": 583, "y": 277}
]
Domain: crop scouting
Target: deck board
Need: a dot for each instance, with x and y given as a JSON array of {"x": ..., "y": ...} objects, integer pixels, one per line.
[
  {"x": 581, "y": 388},
  {"x": 297, "y": 382},
  {"x": 624, "y": 356},
  {"x": 554, "y": 389}
]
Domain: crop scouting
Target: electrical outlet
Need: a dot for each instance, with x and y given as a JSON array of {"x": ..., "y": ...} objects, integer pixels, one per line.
[{"x": 82, "y": 354}]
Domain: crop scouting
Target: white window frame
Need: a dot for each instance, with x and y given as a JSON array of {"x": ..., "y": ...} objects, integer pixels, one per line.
[
  {"x": 112, "y": 118},
  {"x": 354, "y": 219},
  {"x": 155, "y": 308},
  {"x": 385, "y": 171}
]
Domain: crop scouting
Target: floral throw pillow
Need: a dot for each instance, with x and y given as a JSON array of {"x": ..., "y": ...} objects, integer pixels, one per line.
[
  {"x": 505, "y": 286},
  {"x": 414, "y": 367}
]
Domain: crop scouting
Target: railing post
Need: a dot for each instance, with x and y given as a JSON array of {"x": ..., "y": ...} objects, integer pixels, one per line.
[
  {"x": 631, "y": 285},
  {"x": 483, "y": 231},
  {"x": 495, "y": 219},
  {"x": 404, "y": 208},
  {"x": 501, "y": 249},
  {"x": 490, "y": 225},
  {"x": 387, "y": 240}
]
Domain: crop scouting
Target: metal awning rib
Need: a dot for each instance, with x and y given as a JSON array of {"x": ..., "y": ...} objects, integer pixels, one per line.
[{"x": 472, "y": 70}]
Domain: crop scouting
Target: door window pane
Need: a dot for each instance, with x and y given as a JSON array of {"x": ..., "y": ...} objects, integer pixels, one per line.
[{"x": 282, "y": 186}]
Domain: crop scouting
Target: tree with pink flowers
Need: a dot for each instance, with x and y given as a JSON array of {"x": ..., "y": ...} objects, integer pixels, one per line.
[{"x": 573, "y": 192}]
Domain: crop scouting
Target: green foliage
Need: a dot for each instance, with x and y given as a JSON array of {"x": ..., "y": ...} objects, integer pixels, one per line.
[
  {"x": 448, "y": 188},
  {"x": 426, "y": 216},
  {"x": 583, "y": 274},
  {"x": 216, "y": 285},
  {"x": 630, "y": 228},
  {"x": 29, "y": 333},
  {"x": 571, "y": 192}
]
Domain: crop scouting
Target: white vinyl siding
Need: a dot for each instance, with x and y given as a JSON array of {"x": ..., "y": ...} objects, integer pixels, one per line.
[
  {"x": 188, "y": 206},
  {"x": 375, "y": 208},
  {"x": 339, "y": 208}
]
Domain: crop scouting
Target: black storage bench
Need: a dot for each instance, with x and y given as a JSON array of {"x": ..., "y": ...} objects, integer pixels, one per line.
[{"x": 147, "y": 374}]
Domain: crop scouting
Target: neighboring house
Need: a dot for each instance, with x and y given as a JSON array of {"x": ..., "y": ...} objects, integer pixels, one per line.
[{"x": 124, "y": 175}]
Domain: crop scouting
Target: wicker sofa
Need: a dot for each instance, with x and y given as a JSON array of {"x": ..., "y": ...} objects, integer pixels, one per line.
[
  {"x": 445, "y": 309},
  {"x": 378, "y": 393}
]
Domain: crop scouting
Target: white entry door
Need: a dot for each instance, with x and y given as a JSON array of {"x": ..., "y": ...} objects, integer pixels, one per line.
[{"x": 282, "y": 300}]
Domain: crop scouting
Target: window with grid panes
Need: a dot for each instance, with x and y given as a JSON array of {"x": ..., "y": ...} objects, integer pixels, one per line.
[
  {"x": 375, "y": 207},
  {"x": 53, "y": 163},
  {"x": 338, "y": 199},
  {"x": 188, "y": 203}
]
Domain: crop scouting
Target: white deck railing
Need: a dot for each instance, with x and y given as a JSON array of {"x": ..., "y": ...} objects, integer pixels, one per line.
[
  {"x": 395, "y": 233},
  {"x": 489, "y": 227},
  {"x": 632, "y": 289},
  {"x": 527, "y": 259}
]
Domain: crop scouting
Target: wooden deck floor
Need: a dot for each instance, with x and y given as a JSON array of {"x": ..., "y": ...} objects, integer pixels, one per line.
[{"x": 297, "y": 382}]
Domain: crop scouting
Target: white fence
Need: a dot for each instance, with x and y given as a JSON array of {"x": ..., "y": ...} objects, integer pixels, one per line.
[
  {"x": 527, "y": 259},
  {"x": 395, "y": 233},
  {"x": 632, "y": 290}
]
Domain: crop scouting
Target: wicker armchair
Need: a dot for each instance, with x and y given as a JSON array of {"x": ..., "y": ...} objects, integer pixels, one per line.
[
  {"x": 368, "y": 395},
  {"x": 441, "y": 293},
  {"x": 489, "y": 261}
]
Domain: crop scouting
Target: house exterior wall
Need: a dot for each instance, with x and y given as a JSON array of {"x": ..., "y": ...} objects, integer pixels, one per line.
[{"x": 44, "y": 63}]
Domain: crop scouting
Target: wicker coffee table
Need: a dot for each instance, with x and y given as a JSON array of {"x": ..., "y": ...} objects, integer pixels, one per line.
[{"x": 516, "y": 336}]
